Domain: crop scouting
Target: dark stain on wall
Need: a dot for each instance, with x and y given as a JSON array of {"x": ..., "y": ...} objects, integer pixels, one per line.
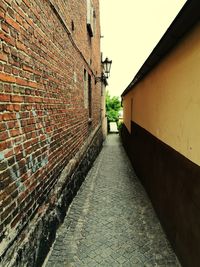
[
  {"x": 38, "y": 238},
  {"x": 173, "y": 184}
]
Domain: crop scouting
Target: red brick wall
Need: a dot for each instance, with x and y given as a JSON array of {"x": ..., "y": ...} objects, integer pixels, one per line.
[{"x": 43, "y": 121}]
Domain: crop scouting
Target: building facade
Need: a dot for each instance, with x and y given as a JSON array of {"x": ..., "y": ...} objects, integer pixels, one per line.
[
  {"x": 161, "y": 131},
  {"x": 50, "y": 118}
]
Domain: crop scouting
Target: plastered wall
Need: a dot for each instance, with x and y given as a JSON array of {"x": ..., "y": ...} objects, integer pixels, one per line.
[{"x": 167, "y": 101}]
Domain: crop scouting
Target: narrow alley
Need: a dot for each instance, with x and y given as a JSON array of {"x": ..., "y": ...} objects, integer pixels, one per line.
[{"x": 111, "y": 221}]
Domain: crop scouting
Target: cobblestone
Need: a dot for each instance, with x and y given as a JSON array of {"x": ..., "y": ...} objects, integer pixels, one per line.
[{"x": 111, "y": 221}]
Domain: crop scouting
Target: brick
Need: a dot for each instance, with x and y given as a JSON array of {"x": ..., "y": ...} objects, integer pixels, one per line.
[
  {"x": 28, "y": 91},
  {"x": 12, "y": 124},
  {"x": 16, "y": 220},
  {"x": 14, "y": 194},
  {"x": 5, "y": 214},
  {"x": 2, "y": 14},
  {"x": 7, "y": 78},
  {"x": 4, "y": 98},
  {"x": 7, "y": 69},
  {"x": 9, "y": 116},
  {"x": 3, "y": 135},
  {"x": 16, "y": 89},
  {"x": 21, "y": 81},
  {"x": 3, "y": 146},
  {"x": 19, "y": 19},
  {"x": 14, "y": 132},
  {"x": 35, "y": 85},
  {"x": 3, "y": 6},
  {"x": 27, "y": 68},
  {"x": 18, "y": 149},
  {"x": 4, "y": 26},
  {"x": 2, "y": 126},
  {"x": 17, "y": 140},
  {"x": 11, "y": 12},
  {"x": 7, "y": 39},
  {"x": 11, "y": 161},
  {"x": 13, "y": 107},
  {"x": 42, "y": 115},
  {"x": 9, "y": 153},
  {"x": 20, "y": 46},
  {"x": 17, "y": 107},
  {"x": 2, "y": 107},
  {"x": 6, "y": 48},
  {"x": 12, "y": 187},
  {"x": 3, "y": 57},
  {"x": 1, "y": 68},
  {"x": 15, "y": 71},
  {"x": 30, "y": 99},
  {"x": 27, "y": 3},
  {"x": 19, "y": 157},
  {"x": 29, "y": 128},
  {"x": 8, "y": 1},
  {"x": 8, "y": 220},
  {"x": 3, "y": 195},
  {"x": 7, "y": 88},
  {"x": 7, "y": 201},
  {"x": 17, "y": 98},
  {"x": 3, "y": 166}
]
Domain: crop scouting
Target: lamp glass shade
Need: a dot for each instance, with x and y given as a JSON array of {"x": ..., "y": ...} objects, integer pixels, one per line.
[{"x": 107, "y": 65}]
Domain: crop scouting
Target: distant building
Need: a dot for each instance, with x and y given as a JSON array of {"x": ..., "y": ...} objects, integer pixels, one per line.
[
  {"x": 162, "y": 130},
  {"x": 50, "y": 118},
  {"x": 113, "y": 127}
]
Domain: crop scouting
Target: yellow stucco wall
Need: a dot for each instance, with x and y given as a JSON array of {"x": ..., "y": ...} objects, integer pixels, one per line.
[{"x": 167, "y": 101}]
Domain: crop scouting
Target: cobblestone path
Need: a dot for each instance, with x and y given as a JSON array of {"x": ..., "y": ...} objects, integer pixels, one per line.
[{"x": 111, "y": 221}]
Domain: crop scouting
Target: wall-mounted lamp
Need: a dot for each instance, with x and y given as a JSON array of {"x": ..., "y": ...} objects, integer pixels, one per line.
[{"x": 106, "y": 65}]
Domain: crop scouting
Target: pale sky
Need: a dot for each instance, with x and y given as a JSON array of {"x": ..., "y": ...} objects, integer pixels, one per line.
[{"x": 131, "y": 29}]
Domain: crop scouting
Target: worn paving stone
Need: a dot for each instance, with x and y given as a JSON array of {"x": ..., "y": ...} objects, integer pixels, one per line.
[{"x": 111, "y": 221}]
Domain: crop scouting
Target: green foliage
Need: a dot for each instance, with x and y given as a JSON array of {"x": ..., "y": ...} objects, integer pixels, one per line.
[
  {"x": 119, "y": 125},
  {"x": 113, "y": 106}
]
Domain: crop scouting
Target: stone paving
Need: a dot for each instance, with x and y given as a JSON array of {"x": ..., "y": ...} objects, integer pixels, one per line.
[{"x": 111, "y": 221}]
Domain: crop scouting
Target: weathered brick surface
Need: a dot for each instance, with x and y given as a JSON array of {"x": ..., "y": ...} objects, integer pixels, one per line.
[{"x": 45, "y": 48}]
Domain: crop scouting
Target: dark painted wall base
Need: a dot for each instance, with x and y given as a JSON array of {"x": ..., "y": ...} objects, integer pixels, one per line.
[
  {"x": 32, "y": 246},
  {"x": 173, "y": 184}
]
